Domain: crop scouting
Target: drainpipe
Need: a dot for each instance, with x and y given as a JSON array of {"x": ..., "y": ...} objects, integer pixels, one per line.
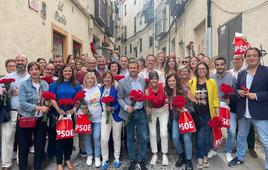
[{"x": 209, "y": 30}]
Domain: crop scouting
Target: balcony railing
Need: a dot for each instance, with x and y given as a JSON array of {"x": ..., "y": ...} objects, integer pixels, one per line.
[{"x": 177, "y": 7}]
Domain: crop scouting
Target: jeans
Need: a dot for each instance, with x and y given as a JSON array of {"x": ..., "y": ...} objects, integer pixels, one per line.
[
  {"x": 186, "y": 138},
  {"x": 138, "y": 120},
  {"x": 231, "y": 133},
  {"x": 96, "y": 135},
  {"x": 251, "y": 137},
  {"x": 24, "y": 139},
  {"x": 162, "y": 114},
  {"x": 203, "y": 137},
  {"x": 243, "y": 130}
]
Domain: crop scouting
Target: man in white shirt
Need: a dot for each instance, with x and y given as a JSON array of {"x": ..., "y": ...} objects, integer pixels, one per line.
[
  {"x": 123, "y": 62},
  {"x": 9, "y": 128}
]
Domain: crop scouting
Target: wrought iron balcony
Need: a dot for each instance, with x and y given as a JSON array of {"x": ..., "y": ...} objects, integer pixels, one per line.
[
  {"x": 101, "y": 7},
  {"x": 177, "y": 7}
]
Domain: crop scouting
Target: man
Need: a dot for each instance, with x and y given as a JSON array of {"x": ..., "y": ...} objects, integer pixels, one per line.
[
  {"x": 238, "y": 63},
  {"x": 123, "y": 62},
  {"x": 58, "y": 64},
  {"x": 186, "y": 61},
  {"x": 141, "y": 62},
  {"x": 91, "y": 67},
  {"x": 9, "y": 128},
  {"x": 150, "y": 64},
  {"x": 252, "y": 89},
  {"x": 42, "y": 63},
  {"x": 190, "y": 49},
  {"x": 49, "y": 71},
  {"x": 222, "y": 76},
  {"x": 135, "y": 116},
  {"x": 10, "y": 65},
  {"x": 101, "y": 65}
]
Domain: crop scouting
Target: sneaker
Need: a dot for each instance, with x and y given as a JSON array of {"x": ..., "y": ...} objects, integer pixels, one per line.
[
  {"x": 212, "y": 153},
  {"x": 235, "y": 162},
  {"x": 142, "y": 165},
  {"x": 32, "y": 149},
  {"x": 104, "y": 165},
  {"x": 252, "y": 153},
  {"x": 82, "y": 153},
  {"x": 117, "y": 163},
  {"x": 228, "y": 157},
  {"x": 153, "y": 159},
  {"x": 199, "y": 164},
  {"x": 180, "y": 162},
  {"x": 132, "y": 165},
  {"x": 165, "y": 160},
  {"x": 97, "y": 162},
  {"x": 205, "y": 162},
  {"x": 89, "y": 160},
  {"x": 189, "y": 165}
]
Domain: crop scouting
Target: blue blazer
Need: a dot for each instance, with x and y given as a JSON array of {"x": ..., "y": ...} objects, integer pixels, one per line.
[
  {"x": 257, "y": 108},
  {"x": 113, "y": 92}
]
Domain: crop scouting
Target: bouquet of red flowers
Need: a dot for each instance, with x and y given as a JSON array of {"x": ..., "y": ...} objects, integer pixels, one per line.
[
  {"x": 66, "y": 103},
  {"x": 48, "y": 79},
  {"x": 108, "y": 100},
  {"x": 136, "y": 96},
  {"x": 5, "y": 93},
  {"x": 179, "y": 102},
  {"x": 215, "y": 122},
  {"x": 46, "y": 97},
  {"x": 227, "y": 90},
  {"x": 118, "y": 77},
  {"x": 79, "y": 97}
]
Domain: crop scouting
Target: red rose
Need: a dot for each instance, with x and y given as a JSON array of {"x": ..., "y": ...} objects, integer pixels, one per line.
[
  {"x": 79, "y": 96},
  {"x": 48, "y": 95},
  {"x": 107, "y": 100},
  {"x": 7, "y": 80},
  {"x": 117, "y": 78},
  {"x": 179, "y": 102},
  {"x": 226, "y": 89},
  {"x": 244, "y": 88},
  {"x": 66, "y": 102},
  {"x": 215, "y": 122},
  {"x": 136, "y": 96},
  {"x": 147, "y": 80},
  {"x": 48, "y": 79}
]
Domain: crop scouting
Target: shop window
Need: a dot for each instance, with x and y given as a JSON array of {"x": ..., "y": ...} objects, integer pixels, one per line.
[
  {"x": 77, "y": 49},
  {"x": 58, "y": 43}
]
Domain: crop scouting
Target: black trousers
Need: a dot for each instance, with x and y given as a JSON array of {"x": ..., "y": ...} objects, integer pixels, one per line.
[
  {"x": 51, "y": 147},
  {"x": 24, "y": 140},
  {"x": 64, "y": 148}
]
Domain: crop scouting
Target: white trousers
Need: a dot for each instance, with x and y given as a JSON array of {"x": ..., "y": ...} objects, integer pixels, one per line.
[
  {"x": 105, "y": 136},
  {"x": 8, "y": 138},
  {"x": 162, "y": 114}
]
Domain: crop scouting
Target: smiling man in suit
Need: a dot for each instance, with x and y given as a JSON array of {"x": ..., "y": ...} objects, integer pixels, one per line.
[
  {"x": 135, "y": 115},
  {"x": 252, "y": 104}
]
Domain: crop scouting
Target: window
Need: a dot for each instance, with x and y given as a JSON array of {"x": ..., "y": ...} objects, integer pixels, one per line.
[
  {"x": 125, "y": 50},
  {"x": 135, "y": 23},
  {"x": 140, "y": 44},
  {"x": 125, "y": 9},
  {"x": 130, "y": 48},
  {"x": 151, "y": 41},
  {"x": 76, "y": 49}
]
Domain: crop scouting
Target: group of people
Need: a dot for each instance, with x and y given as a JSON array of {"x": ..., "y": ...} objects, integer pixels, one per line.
[{"x": 138, "y": 123}]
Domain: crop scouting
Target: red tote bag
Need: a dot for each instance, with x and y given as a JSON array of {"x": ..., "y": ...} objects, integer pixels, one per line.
[
  {"x": 83, "y": 124},
  {"x": 217, "y": 137},
  {"x": 186, "y": 122},
  {"x": 64, "y": 128},
  {"x": 225, "y": 115}
]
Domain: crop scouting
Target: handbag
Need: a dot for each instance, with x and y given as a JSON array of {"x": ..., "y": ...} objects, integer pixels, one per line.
[
  {"x": 64, "y": 127},
  {"x": 186, "y": 122},
  {"x": 27, "y": 122},
  {"x": 83, "y": 124}
]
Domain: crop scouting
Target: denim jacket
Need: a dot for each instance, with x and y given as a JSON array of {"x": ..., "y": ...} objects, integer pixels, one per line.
[{"x": 28, "y": 97}]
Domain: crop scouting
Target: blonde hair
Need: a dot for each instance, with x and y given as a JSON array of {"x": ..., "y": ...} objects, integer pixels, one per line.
[{"x": 91, "y": 74}]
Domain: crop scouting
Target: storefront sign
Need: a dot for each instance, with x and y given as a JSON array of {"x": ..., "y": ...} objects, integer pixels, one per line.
[{"x": 58, "y": 16}]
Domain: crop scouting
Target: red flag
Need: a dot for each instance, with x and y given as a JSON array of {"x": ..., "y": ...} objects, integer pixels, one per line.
[{"x": 240, "y": 44}]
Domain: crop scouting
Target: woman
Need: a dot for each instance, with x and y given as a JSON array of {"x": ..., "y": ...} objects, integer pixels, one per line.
[
  {"x": 65, "y": 87},
  {"x": 78, "y": 65},
  {"x": 115, "y": 68},
  {"x": 205, "y": 92},
  {"x": 173, "y": 88},
  {"x": 31, "y": 106},
  {"x": 113, "y": 121},
  {"x": 160, "y": 61},
  {"x": 171, "y": 66},
  {"x": 92, "y": 98},
  {"x": 157, "y": 109},
  {"x": 193, "y": 63}
]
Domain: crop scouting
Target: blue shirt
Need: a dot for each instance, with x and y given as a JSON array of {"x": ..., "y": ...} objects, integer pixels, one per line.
[{"x": 64, "y": 90}]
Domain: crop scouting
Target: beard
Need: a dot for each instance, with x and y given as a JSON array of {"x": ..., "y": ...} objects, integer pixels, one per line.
[{"x": 21, "y": 67}]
